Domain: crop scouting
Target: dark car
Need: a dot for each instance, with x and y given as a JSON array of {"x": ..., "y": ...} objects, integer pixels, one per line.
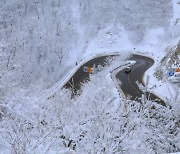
[{"x": 127, "y": 70}]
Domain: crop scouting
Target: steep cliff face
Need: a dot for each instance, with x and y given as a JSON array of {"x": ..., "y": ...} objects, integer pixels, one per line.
[{"x": 40, "y": 41}]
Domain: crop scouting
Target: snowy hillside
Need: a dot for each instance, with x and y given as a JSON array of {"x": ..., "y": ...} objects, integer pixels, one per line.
[
  {"x": 43, "y": 41},
  {"x": 96, "y": 122}
]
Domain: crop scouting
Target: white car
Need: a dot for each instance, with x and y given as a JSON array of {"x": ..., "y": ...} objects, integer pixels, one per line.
[{"x": 127, "y": 69}]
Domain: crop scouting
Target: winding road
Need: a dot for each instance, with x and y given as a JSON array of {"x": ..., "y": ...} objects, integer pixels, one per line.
[
  {"x": 128, "y": 81},
  {"x": 80, "y": 76}
]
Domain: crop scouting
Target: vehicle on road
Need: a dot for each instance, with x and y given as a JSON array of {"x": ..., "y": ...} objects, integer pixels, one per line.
[{"x": 127, "y": 69}]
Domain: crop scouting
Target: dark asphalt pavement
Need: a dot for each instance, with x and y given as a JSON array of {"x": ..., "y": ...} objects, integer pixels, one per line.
[
  {"x": 80, "y": 76},
  {"x": 128, "y": 80}
]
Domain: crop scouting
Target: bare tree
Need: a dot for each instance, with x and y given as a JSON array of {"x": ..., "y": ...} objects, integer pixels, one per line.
[{"x": 145, "y": 88}]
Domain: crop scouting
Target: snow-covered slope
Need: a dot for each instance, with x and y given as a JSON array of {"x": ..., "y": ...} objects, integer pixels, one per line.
[
  {"x": 96, "y": 122},
  {"x": 40, "y": 43},
  {"x": 41, "y": 40}
]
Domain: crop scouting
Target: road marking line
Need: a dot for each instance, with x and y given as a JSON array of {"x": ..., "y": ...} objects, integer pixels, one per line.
[{"x": 133, "y": 86}]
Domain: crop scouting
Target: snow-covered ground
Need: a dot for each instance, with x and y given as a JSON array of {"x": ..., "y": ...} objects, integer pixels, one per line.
[
  {"x": 53, "y": 36},
  {"x": 116, "y": 40},
  {"x": 40, "y": 43},
  {"x": 97, "y": 120}
]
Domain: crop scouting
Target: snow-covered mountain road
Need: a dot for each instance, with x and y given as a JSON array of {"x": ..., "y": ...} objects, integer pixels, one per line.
[
  {"x": 128, "y": 81},
  {"x": 80, "y": 76}
]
